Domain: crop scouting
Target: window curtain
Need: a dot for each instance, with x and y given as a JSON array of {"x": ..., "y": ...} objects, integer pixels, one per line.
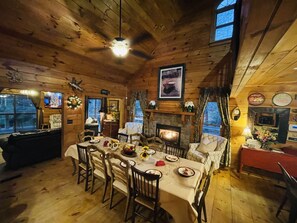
[
  {"x": 36, "y": 99},
  {"x": 142, "y": 97},
  {"x": 203, "y": 99},
  {"x": 222, "y": 96},
  {"x": 133, "y": 98}
]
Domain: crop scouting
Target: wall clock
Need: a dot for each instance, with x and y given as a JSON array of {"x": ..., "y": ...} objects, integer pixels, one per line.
[
  {"x": 282, "y": 99},
  {"x": 256, "y": 99}
]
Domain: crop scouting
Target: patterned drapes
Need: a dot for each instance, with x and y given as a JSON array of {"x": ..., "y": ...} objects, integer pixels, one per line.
[
  {"x": 142, "y": 97},
  {"x": 221, "y": 96},
  {"x": 36, "y": 99},
  {"x": 203, "y": 99}
]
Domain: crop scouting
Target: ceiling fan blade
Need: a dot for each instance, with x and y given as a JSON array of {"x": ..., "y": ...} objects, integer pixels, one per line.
[
  {"x": 97, "y": 49},
  {"x": 141, "y": 54},
  {"x": 140, "y": 38}
]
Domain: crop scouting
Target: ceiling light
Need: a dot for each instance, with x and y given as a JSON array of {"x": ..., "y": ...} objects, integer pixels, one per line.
[
  {"x": 28, "y": 92},
  {"x": 120, "y": 47}
]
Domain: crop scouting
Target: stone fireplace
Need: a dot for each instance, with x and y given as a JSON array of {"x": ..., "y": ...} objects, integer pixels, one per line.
[
  {"x": 170, "y": 120},
  {"x": 168, "y": 133}
]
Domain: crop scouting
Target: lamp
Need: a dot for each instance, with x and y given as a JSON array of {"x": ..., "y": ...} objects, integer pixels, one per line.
[
  {"x": 247, "y": 133},
  {"x": 120, "y": 46}
]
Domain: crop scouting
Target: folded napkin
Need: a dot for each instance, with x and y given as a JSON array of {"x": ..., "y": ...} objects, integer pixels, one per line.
[{"x": 160, "y": 163}]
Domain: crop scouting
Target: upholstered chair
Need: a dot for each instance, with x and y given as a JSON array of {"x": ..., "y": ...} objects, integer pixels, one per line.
[
  {"x": 131, "y": 128},
  {"x": 211, "y": 148}
]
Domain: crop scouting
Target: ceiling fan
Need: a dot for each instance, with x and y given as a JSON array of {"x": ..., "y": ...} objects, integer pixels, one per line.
[{"x": 121, "y": 46}]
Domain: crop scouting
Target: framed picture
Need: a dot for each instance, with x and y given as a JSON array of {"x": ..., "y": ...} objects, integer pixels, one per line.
[
  {"x": 256, "y": 99},
  {"x": 113, "y": 106},
  {"x": 171, "y": 82},
  {"x": 282, "y": 99}
]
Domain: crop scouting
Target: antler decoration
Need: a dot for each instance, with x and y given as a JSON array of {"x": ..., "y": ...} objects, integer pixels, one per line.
[
  {"x": 75, "y": 84},
  {"x": 14, "y": 76}
]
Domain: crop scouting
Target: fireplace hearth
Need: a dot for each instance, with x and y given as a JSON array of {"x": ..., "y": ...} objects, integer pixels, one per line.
[{"x": 169, "y": 134}]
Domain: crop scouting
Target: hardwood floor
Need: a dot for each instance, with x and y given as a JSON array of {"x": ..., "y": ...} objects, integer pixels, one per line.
[{"x": 47, "y": 192}]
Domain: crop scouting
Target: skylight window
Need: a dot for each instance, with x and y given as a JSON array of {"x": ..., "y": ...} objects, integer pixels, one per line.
[{"x": 224, "y": 20}]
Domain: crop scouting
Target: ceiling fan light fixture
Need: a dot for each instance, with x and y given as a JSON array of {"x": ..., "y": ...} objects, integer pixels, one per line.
[{"x": 120, "y": 47}]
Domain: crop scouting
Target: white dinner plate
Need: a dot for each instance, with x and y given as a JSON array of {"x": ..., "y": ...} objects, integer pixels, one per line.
[
  {"x": 155, "y": 172},
  {"x": 132, "y": 163},
  {"x": 171, "y": 158},
  {"x": 94, "y": 141},
  {"x": 186, "y": 171},
  {"x": 151, "y": 151}
]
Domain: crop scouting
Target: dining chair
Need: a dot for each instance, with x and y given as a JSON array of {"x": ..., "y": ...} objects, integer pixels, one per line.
[
  {"x": 291, "y": 194},
  {"x": 145, "y": 193},
  {"x": 199, "y": 202},
  {"x": 99, "y": 168},
  {"x": 175, "y": 150},
  {"x": 156, "y": 143},
  {"x": 138, "y": 139},
  {"x": 86, "y": 135},
  {"x": 84, "y": 169},
  {"x": 120, "y": 179},
  {"x": 123, "y": 137}
]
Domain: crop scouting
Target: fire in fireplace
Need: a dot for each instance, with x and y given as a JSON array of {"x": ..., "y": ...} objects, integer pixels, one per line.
[{"x": 170, "y": 134}]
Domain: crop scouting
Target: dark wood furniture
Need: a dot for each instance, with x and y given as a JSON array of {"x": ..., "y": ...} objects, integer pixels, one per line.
[
  {"x": 84, "y": 169},
  {"x": 110, "y": 128},
  {"x": 175, "y": 150},
  {"x": 267, "y": 160}
]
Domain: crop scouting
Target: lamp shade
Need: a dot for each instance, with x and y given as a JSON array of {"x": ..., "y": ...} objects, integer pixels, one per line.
[
  {"x": 247, "y": 132},
  {"x": 120, "y": 47}
]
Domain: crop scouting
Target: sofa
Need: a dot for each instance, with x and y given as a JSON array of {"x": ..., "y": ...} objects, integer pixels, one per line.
[
  {"x": 210, "y": 149},
  {"x": 22, "y": 149}
]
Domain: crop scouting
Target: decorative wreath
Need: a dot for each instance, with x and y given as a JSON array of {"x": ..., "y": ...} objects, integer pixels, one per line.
[{"x": 73, "y": 102}]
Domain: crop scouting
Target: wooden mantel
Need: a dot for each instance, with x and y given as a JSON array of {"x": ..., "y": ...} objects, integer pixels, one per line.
[{"x": 181, "y": 113}]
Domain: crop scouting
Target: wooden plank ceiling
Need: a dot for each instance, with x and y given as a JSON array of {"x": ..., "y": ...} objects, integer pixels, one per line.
[
  {"x": 62, "y": 34},
  {"x": 268, "y": 48}
]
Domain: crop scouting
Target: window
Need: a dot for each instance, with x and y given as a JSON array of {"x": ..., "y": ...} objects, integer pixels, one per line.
[
  {"x": 212, "y": 119},
  {"x": 17, "y": 113},
  {"x": 138, "y": 115},
  {"x": 94, "y": 107},
  {"x": 224, "y": 20}
]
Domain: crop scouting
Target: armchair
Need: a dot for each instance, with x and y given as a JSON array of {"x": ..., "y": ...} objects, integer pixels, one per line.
[
  {"x": 131, "y": 128},
  {"x": 210, "y": 149}
]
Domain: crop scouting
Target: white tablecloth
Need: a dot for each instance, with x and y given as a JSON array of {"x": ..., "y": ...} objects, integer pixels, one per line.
[{"x": 176, "y": 192}]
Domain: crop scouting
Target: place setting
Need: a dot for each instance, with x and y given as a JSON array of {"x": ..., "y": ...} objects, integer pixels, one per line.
[
  {"x": 185, "y": 171},
  {"x": 131, "y": 162},
  {"x": 155, "y": 172}
]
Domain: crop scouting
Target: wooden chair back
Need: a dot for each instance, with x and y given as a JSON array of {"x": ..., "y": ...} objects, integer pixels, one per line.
[
  {"x": 119, "y": 172},
  {"x": 175, "y": 150},
  {"x": 156, "y": 143},
  {"x": 123, "y": 137},
  {"x": 138, "y": 139},
  {"x": 145, "y": 185},
  {"x": 83, "y": 157},
  {"x": 97, "y": 158},
  {"x": 86, "y": 135}
]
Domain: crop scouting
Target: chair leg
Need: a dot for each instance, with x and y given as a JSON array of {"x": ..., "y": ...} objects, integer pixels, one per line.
[
  {"x": 204, "y": 211},
  {"x": 111, "y": 196},
  {"x": 87, "y": 180},
  {"x": 127, "y": 207},
  {"x": 78, "y": 175},
  {"x": 105, "y": 189},
  {"x": 134, "y": 209},
  {"x": 93, "y": 182},
  {"x": 293, "y": 212},
  {"x": 155, "y": 214},
  {"x": 281, "y": 205},
  {"x": 199, "y": 214}
]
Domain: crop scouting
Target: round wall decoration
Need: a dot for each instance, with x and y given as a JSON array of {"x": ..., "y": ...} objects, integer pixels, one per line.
[
  {"x": 256, "y": 99},
  {"x": 282, "y": 99},
  {"x": 73, "y": 102}
]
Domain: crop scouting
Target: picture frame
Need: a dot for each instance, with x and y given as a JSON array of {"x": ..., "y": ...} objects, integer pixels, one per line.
[
  {"x": 171, "y": 82},
  {"x": 282, "y": 99},
  {"x": 113, "y": 106},
  {"x": 256, "y": 99}
]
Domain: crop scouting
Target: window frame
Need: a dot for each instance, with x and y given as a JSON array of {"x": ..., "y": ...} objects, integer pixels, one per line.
[
  {"x": 15, "y": 113},
  {"x": 215, "y": 27},
  {"x": 202, "y": 119},
  {"x": 134, "y": 112}
]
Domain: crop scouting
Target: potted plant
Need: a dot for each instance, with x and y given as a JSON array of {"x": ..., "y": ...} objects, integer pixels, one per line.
[
  {"x": 152, "y": 104},
  {"x": 189, "y": 106}
]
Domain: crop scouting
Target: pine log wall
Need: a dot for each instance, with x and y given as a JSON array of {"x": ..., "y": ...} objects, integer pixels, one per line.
[{"x": 42, "y": 78}]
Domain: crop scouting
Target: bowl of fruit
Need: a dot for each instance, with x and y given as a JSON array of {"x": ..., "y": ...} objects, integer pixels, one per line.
[{"x": 129, "y": 149}]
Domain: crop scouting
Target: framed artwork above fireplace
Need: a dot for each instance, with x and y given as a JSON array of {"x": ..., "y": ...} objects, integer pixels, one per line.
[{"x": 171, "y": 82}]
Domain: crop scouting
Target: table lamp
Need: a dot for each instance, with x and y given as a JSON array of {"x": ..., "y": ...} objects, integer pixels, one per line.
[{"x": 247, "y": 133}]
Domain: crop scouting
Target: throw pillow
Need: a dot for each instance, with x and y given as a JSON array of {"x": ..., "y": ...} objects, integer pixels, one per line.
[{"x": 207, "y": 144}]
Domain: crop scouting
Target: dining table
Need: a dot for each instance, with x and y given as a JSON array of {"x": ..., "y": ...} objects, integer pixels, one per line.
[{"x": 176, "y": 190}]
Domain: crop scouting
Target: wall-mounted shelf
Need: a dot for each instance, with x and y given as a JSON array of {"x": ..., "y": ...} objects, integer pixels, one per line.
[{"x": 182, "y": 114}]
